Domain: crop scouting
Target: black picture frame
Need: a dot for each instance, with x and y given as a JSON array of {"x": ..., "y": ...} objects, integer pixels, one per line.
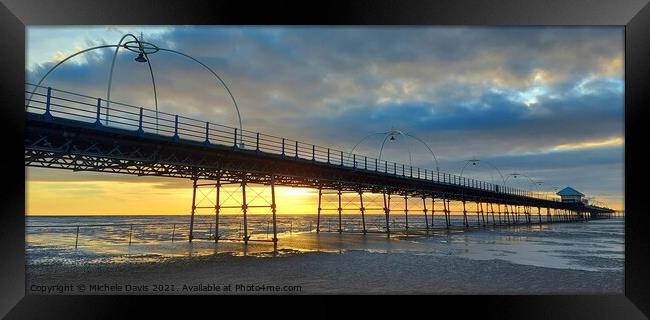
[{"x": 633, "y": 14}]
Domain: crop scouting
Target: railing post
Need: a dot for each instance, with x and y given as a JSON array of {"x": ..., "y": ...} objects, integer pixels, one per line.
[
  {"x": 328, "y": 155},
  {"x": 99, "y": 106},
  {"x": 235, "y": 139},
  {"x": 297, "y": 150},
  {"x": 207, "y": 133},
  {"x": 313, "y": 152},
  {"x": 76, "y": 241},
  {"x": 283, "y": 147},
  {"x": 176, "y": 128},
  {"x": 341, "y": 158},
  {"x": 354, "y": 161},
  {"x": 47, "y": 115},
  {"x": 365, "y": 162},
  {"x": 130, "y": 233},
  {"x": 257, "y": 142},
  {"x": 140, "y": 130}
]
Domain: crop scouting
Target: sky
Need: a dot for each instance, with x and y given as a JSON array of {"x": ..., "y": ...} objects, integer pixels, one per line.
[{"x": 544, "y": 102}]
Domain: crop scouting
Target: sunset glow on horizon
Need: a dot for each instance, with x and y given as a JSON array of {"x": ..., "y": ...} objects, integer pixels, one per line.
[{"x": 546, "y": 101}]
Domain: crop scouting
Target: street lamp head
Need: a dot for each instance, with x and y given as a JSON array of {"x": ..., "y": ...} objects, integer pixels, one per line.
[{"x": 141, "y": 58}]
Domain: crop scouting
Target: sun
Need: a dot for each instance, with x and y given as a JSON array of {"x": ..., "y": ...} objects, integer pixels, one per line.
[{"x": 297, "y": 191}]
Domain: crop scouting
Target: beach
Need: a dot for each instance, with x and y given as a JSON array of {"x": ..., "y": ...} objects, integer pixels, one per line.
[{"x": 568, "y": 258}]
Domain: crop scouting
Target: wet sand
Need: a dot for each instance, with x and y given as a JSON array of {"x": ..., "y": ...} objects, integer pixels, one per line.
[{"x": 522, "y": 261}]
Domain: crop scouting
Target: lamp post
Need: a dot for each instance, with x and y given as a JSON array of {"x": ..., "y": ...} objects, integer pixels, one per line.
[
  {"x": 476, "y": 161},
  {"x": 391, "y": 135},
  {"x": 536, "y": 183},
  {"x": 144, "y": 50}
]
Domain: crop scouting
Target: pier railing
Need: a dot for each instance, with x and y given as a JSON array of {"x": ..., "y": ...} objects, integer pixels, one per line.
[{"x": 54, "y": 103}]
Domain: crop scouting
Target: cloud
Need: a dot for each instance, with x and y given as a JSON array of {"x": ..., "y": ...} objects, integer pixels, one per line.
[{"x": 487, "y": 92}]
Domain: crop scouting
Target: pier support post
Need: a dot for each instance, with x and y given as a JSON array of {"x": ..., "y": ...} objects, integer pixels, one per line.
[
  {"x": 482, "y": 214},
  {"x": 340, "y": 209},
  {"x": 424, "y": 209},
  {"x": 274, "y": 210},
  {"x": 539, "y": 214},
  {"x": 492, "y": 212},
  {"x": 244, "y": 208},
  {"x": 217, "y": 210},
  {"x": 445, "y": 202},
  {"x": 478, "y": 215},
  {"x": 406, "y": 212},
  {"x": 499, "y": 213},
  {"x": 387, "y": 212},
  {"x": 320, "y": 195},
  {"x": 548, "y": 215},
  {"x": 191, "y": 236},
  {"x": 507, "y": 214},
  {"x": 465, "y": 215},
  {"x": 433, "y": 210},
  {"x": 363, "y": 212}
]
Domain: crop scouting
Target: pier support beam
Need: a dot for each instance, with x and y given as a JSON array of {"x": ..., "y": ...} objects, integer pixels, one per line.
[
  {"x": 424, "y": 209},
  {"x": 465, "y": 215},
  {"x": 340, "y": 209},
  {"x": 273, "y": 211},
  {"x": 539, "y": 214},
  {"x": 387, "y": 212},
  {"x": 363, "y": 212},
  {"x": 482, "y": 214},
  {"x": 492, "y": 211},
  {"x": 406, "y": 212},
  {"x": 217, "y": 210},
  {"x": 191, "y": 235},
  {"x": 445, "y": 202},
  {"x": 499, "y": 213},
  {"x": 433, "y": 209},
  {"x": 320, "y": 196},
  {"x": 478, "y": 215},
  {"x": 244, "y": 208}
]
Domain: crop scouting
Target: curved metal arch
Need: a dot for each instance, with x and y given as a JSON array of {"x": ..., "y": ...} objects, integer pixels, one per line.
[
  {"x": 364, "y": 139},
  {"x": 64, "y": 60},
  {"x": 495, "y": 168},
  {"x": 520, "y": 174},
  {"x": 110, "y": 76},
  {"x": 490, "y": 164},
  {"x": 224, "y": 85},
  {"x": 150, "y": 70},
  {"x": 427, "y": 146},
  {"x": 386, "y": 135}
]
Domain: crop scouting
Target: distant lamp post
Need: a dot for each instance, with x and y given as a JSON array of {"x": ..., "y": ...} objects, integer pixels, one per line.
[
  {"x": 515, "y": 175},
  {"x": 476, "y": 161},
  {"x": 391, "y": 135}
]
